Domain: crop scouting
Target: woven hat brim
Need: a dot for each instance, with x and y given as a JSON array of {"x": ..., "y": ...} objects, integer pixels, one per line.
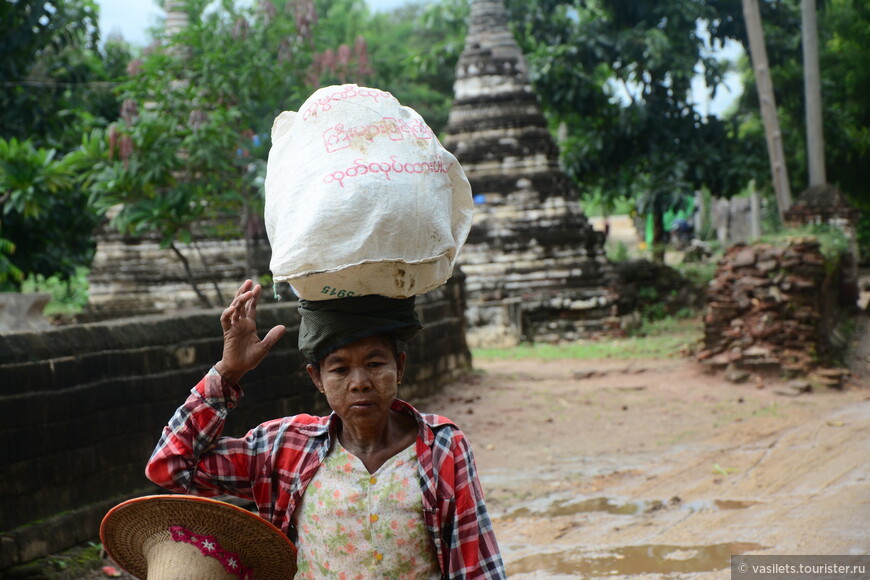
[{"x": 261, "y": 546}]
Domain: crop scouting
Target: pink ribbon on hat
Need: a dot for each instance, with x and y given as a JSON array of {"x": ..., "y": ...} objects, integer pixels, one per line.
[{"x": 209, "y": 546}]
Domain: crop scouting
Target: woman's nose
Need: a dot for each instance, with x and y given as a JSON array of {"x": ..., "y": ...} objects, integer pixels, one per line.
[{"x": 359, "y": 380}]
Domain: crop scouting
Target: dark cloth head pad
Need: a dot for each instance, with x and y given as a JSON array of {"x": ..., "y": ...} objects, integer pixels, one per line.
[{"x": 328, "y": 325}]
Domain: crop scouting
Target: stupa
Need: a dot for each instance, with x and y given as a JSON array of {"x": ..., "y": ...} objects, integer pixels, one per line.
[{"x": 535, "y": 268}]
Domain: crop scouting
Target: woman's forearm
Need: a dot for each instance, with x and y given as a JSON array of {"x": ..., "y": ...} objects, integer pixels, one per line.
[{"x": 193, "y": 431}]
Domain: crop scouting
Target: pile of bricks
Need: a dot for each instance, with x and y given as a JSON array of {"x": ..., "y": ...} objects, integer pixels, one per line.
[{"x": 764, "y": 310}]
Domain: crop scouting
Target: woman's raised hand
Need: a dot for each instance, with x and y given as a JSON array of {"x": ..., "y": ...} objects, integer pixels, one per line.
[{"x": 243, "y": 349}]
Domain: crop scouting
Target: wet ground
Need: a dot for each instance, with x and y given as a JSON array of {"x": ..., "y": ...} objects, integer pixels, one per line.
[{"x": 652, "y": 469}]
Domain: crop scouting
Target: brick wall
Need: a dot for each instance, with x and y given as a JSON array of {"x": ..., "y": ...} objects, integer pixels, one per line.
[{"x": 81, "y": 407}]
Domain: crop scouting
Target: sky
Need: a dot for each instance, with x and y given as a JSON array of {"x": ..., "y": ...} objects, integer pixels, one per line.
[{"x": 133, "y": 18}]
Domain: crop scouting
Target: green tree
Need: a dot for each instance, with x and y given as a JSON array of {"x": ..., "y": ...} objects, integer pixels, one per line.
[
  {"x": 844, "y": 60},
  {"x": 56, "y": 81},
  {"x": 55, "y": 84},
  {"x": 186, "y": 159},
  {"x": 617, "y": 75},
  {"x": 845, "y": 56},
  {"x": 45, "y": 224},
  {"x": 844, "y": 46},
  {"x": 410, "y": 51}
]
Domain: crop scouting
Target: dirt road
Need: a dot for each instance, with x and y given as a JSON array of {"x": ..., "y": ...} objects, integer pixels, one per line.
[{"x": 654, "y": 468}]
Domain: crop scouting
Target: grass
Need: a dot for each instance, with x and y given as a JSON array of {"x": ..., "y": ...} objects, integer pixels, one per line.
[
  {"x": 833, "y": 243},
  {"x": 661, "y": 339},
  {"x": 73, "y": 563}
]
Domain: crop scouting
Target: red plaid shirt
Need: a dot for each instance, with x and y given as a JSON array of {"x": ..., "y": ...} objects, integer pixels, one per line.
[{"x": 275, "y": 461}]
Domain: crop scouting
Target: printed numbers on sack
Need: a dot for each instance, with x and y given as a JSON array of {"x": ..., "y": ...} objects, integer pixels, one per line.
[{"x": 331, "y": 291}]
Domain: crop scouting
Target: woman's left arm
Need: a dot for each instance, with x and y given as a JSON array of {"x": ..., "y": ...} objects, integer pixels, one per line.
[{"x": 473, "y": 550}]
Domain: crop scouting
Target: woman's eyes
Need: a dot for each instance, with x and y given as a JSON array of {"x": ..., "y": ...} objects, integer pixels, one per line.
[{"x": 344, "y": 370}]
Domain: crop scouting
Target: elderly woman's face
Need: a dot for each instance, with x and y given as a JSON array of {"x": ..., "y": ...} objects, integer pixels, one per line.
[{"x": 360, "y": 380}]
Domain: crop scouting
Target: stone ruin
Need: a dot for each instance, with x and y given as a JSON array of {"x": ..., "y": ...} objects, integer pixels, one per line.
[
  {"x": 826, "y": 205},
  {"x": 774, "y": 308},
  {"x": 536, "y": 269},
  {"x": 134, "y": 276},
  {"x": 823, "y": 204}
]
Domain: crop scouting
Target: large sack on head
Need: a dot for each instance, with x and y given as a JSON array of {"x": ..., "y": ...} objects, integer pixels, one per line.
[{"x": 362, "y": 198}]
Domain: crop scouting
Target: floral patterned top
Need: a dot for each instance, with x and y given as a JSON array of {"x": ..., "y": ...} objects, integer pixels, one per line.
[{"x": 356, "y": 525}]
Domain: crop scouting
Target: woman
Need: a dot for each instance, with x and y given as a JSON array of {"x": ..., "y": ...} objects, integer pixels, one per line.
[{"x": 374, "y": 490}]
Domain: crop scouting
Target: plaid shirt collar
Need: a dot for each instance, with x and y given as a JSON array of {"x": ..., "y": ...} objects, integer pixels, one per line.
[{"x": 426, "y": 422}]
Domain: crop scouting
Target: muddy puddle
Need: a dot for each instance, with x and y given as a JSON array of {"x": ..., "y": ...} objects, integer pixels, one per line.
[
  {"x": 548, "y": 508},
  {"x": 631, "y": 560}
]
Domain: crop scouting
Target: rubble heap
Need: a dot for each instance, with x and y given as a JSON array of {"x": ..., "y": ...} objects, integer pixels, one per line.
[{"x": 767, "y": 308}]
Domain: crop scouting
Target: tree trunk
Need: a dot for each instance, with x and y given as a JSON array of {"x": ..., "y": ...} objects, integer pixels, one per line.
[
  {"x": 767, "y": 102},
  {"x": 813, "y": 95},
  {"x": 209, "y": 272},
  {"x": 203, "y": 299}
]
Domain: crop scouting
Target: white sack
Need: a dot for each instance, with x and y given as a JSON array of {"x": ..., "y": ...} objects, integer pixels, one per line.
[{"x": 362, "y": 198}]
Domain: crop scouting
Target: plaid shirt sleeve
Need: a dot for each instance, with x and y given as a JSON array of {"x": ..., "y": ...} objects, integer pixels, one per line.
[
  {"x": 272, "y": 464},
  {"x": 192, "y": 457},
  {"x": 468, "y": 547}
]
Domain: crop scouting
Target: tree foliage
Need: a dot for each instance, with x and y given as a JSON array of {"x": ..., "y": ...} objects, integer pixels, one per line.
[
  {"x": 846, "y": 77},
  {"x": 45, "y": 224},
  {"x": 186, "y": 158},
  {"x": 617, "y": 76},
  {"x": 56, "y": 80},
  {"x": 844, "y": 51},
  {"x": 844, "y": 45},
  {"x": 57, "y": 83}
]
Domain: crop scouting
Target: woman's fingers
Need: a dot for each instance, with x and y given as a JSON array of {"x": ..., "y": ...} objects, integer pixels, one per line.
[
  {"x": 242, "y": 349},
  {"x": 228, "y": 315},
  {"x": 246, "y": 285},
  {"x": 241, "y": 305},
  {"x": 251, "y": 310},
  {"x": 233, "y": 311},
  {"x": 272, "y": 336},
  {"x": 244, "y": 305}
]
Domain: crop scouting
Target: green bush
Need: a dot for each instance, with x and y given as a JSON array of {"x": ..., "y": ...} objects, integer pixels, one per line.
[
  {"x": 617, "y": 252},
  {"x": 699, "y": 274},
  {"x": 68, "y": 297}
]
